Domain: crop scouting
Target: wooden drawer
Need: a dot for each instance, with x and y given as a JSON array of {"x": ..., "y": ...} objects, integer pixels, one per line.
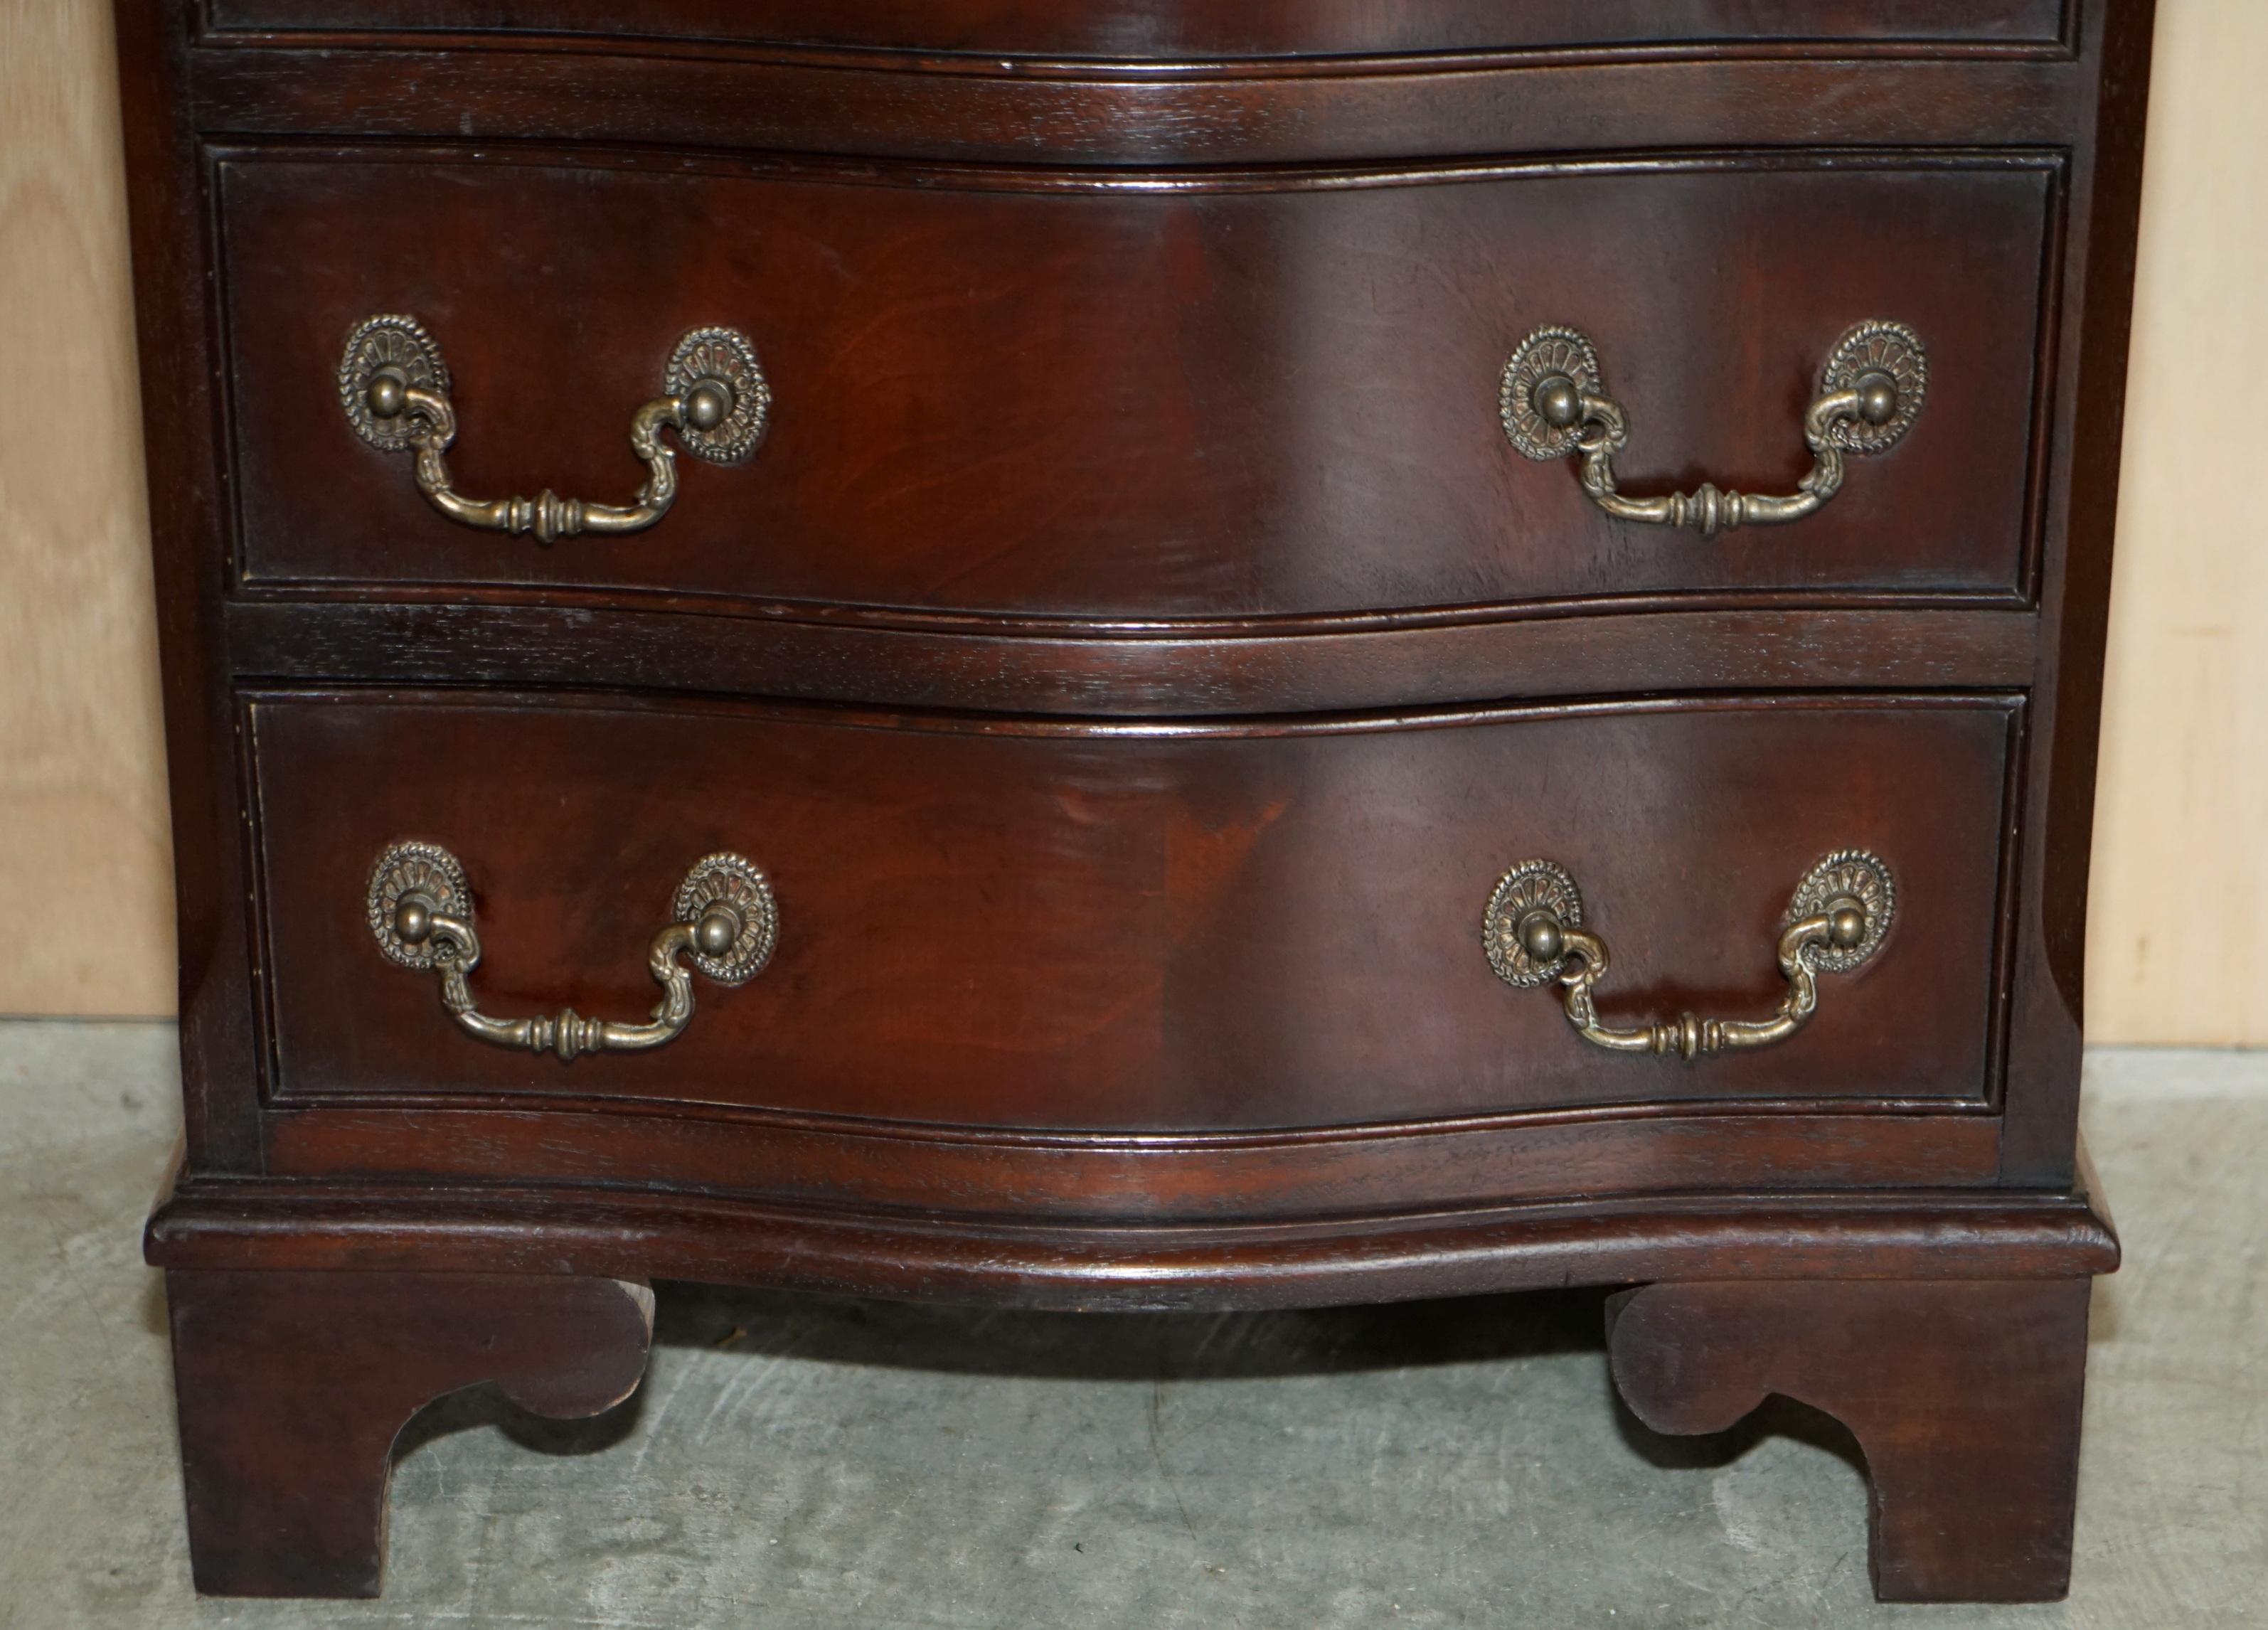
[
  {"x": 1004, "y": 923},
  {"x": 1133, "y": 398},
  {"x": 1193, "y": 29}
]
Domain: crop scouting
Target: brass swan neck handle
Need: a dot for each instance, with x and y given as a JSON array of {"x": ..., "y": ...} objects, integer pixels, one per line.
[
  {"x": 1533, "y": 934},
  {"x": 1553, "y": 403},
  {"x": 394, "y": 388},
  {"x": 420, "y": 911}
]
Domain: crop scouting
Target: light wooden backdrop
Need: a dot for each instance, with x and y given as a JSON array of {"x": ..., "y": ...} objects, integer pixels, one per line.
[{"x": 2181, "y": 893}]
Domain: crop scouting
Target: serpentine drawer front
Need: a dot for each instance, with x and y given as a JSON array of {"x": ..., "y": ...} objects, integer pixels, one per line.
[
  {"x": 1078, "y": 927},
  {"x": 1202, "y": 29},
  {"x": 1134, "y": 653},
  {"x": 1227, "y": 423}
]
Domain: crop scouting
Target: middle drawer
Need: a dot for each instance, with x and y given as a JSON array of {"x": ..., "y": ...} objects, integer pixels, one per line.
[{"x": 1141, "y": 397}]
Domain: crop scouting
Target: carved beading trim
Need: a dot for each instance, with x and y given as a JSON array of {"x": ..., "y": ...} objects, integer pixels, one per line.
[
  {"x": 1526, "y": 887},
  {"x": 1877, "y": 346},
  {"x": 1853, "y": 873},
  {"x": 1550, "y": 350},
  {"x": 741, "y": 886},
  {"x": 726, "y": 354},
  {"x": 399, "y": 343},
  {"x": 422, "y": 868}
]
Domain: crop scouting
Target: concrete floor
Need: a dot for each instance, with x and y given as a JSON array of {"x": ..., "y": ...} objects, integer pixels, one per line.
[{"x": 794, "y": 1463}]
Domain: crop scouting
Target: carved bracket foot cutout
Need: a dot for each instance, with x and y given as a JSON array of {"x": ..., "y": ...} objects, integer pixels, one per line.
[
  {"x": 291, "y": 1388},
  {"x": 1964, "y": 1396}
]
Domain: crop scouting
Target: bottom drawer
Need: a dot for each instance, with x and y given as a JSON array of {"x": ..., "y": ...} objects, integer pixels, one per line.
[{"x": 1133, "y": 927}]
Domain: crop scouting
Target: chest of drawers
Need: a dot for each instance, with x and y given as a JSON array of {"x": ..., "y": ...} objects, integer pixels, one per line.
[{"x": 1162, "y": 655}]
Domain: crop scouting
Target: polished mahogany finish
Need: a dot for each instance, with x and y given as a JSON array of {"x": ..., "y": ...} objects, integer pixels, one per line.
[
  {"x": 1158, "y": 397},
  {"x": 1133, "y": 654},
  {"x": 294, "y": 1385},
  {"x": 1355, "y": 663},
  {"x": 1964, "y": 1394},
  {"x": 362, "y": 1224},
  {"x": 1197, "y": 31},
  {"x": 1082, "y": 926}
]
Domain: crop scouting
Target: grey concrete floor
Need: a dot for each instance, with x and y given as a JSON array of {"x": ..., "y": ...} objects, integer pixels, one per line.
[{"x": 794, "y": 1463}]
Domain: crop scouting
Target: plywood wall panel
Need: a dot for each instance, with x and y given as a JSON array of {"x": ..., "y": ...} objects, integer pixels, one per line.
[
  {"x": 86, "y": 886},
  {"x": 2175, "y": 948}
]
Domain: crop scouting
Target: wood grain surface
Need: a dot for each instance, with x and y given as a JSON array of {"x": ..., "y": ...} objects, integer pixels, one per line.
[
  {"x": 295, "y": 1386},
  {"x": 1069, "y": 988},
  {"x": 1263, "y": 396},
  {"x": 1195, "y": 28},
  {"x": 2184, "y": 771},
  {"x": 2182, "y": 801},
  {"x": 85, "y": 858},
  {"x": 1964, "y": 1399},
  {"x": 1147, "y": 927}
]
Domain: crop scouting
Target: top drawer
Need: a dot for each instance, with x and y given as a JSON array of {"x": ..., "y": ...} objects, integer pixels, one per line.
[
  {"x": 1134, "y": 398},
  {"x": 1134, "y": 30}
]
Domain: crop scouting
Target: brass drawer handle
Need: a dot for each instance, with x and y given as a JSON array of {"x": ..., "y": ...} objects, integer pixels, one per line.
[
  {"x": 395, "y": 390},
  {"x": 421, "y": 913},
  {"x": 1533, "y": 931},
  {"x": 1553, "y": 403}
]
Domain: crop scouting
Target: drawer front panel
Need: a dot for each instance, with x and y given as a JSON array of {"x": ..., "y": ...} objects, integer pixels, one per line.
[
  {"x": 1119, "y": 928},
  {"x": 1198, "y": 29},
  {"x": 1139, "y": 401}
]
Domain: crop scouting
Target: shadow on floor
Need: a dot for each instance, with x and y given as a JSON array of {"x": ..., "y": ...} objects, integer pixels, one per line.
[{"x": 1179, "y": 1347}]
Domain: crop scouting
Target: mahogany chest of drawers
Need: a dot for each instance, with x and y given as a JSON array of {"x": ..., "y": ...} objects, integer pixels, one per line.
[{"x": 1242, "y": 655}]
